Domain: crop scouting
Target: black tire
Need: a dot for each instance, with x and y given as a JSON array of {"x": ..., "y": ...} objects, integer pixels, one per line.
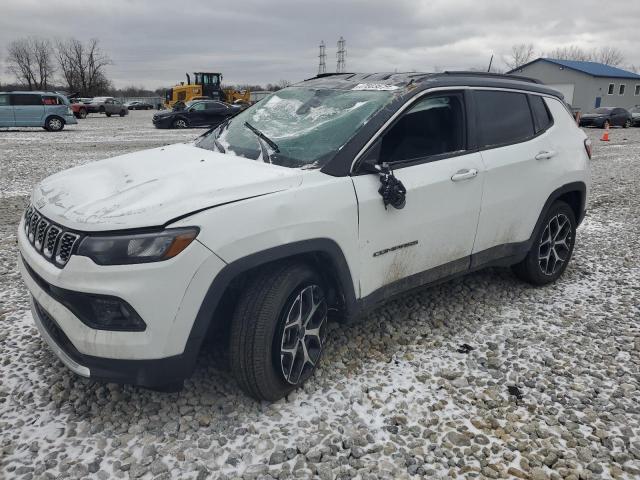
[
  {"x": 605, "y": 124},
  {"x": 54, "y": 124},
  {"x": 108, "y": 114},
  {"x": 122, "y": 113},
  {"x": 179, "y": 123},
  {"x": 261, "y": 329},
  {"x": 82, "y": 113},
  {"x": 548, "y": 258},
  {"x": 627, "y": 123}
]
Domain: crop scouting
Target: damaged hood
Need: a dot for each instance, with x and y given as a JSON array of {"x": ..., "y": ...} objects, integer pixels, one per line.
[{"x": 152, "y": 187}]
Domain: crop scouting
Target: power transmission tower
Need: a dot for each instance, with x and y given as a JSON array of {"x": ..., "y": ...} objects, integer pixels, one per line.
[
  {"x": 341, "y": 54},
  {"x": 322, "y": 67}
]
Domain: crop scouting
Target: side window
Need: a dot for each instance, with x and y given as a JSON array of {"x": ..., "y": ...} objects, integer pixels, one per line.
[
  {"x": 503, "y": 117},
  {"x": 27, "y": 99},
  {"x": 432, "y": 126},
  {"x": 50, "y": 100},
  {"x": 4, "y": 100},
  {"x": 199, "y": 106},
  {"x": 541, "y": 116}
]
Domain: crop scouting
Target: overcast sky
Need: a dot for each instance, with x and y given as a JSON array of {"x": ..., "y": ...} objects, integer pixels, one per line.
[{"x": 153, "y": 43}]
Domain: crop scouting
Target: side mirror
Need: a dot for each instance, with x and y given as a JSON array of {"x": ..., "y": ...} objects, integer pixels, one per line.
[{"x": 392, "y": 190}]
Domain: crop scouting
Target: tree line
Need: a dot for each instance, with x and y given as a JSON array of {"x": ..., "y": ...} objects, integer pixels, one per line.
[
  {"x": 523, "y": 53},
  {"x": 40, "y": 64}
]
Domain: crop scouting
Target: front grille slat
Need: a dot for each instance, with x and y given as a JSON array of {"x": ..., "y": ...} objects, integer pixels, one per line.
[{"x": 52, "y": 241}]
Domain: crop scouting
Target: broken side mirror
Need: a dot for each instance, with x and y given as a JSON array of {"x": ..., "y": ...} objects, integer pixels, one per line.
[{"x": 392, "y": 190}]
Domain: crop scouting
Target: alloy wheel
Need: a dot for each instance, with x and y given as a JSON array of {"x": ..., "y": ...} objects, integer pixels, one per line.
[
  {"x": 180, "y": 124},
  {"x": 555, "y": 244},
  {"x": 55, "y": 124},
  {"x": 303, "y": 335}
]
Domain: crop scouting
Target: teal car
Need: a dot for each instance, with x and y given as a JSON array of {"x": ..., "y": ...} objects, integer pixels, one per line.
[{"x": 48, "y": 110}]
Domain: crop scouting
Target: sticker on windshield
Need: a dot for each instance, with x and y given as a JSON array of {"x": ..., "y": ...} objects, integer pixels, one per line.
[{"x": 375, "y": 86}]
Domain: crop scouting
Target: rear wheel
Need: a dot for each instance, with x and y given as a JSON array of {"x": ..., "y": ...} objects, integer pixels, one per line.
[
  {"x": 606, "y": 124},
  {"x": 54, "y": 124},
  {"x": 552, "y": 248},
  {"x": 179, "y": 123},
  {"x": 278, "y": 331},
  {"x": 108, "y": 114},
  {"x": 122, "y": 113},
  {"x": 627, "y": 123},
  {"x": 82, "y": 113}
]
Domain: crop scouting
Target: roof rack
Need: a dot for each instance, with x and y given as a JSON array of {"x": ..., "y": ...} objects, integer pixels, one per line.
[{"x": 467, "y": 73}]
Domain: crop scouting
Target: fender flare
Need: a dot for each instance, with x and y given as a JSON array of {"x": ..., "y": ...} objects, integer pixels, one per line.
[
  {"x": 579, "y": 187},
  {"x": 232, "y": 270}
]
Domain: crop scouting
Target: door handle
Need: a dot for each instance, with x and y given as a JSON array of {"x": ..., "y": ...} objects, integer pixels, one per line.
[
  {"x": 545, "y": 155},
  {"x": 465, "y": 174}
]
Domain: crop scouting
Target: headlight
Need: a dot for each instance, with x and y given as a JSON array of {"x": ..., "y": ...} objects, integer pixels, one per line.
[{"x": 137, "y": 248}]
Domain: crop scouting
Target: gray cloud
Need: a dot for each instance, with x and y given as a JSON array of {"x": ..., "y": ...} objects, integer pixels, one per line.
[{"x": 152, "y": 43}]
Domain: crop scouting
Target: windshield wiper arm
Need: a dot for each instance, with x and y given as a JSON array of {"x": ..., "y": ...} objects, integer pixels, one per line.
[{"x": 261, "y": 135}]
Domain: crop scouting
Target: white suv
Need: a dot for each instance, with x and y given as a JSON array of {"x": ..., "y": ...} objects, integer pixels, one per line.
[{"x": 323, "y": 199}]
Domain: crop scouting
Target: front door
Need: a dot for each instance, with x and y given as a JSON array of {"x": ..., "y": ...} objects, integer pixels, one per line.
[
  {"x": 433, "y": 235},
  {"x": 28, "y": 110},
  {"x": 6, "y": 111},
  {"x": 197, "y": 114}
]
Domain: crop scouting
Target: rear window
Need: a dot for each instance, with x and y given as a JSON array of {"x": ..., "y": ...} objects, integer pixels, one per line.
[
  {"x": 27, "y": 99},
  {"x": 503, "y": 117},
  {"x": 541, "y": 116}
]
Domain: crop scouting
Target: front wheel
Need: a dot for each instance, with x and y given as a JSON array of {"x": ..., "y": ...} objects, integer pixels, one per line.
[
  {"x": 108, "y": 114},
  {"x": 54, "y": 124},
  {"x": 552, "y": 248},
  {"x": 627, "y": 124},
  {"x": 278, "y": 331},
  {"x": 179, "y": 123},
  {"x": 122, "y": 113},
  {"x": 82, "y": 113}
]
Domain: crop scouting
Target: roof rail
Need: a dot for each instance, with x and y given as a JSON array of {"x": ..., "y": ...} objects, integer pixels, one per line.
[
  {"x": 329, "y": 74},
  {"x": 491, "y": 74}
]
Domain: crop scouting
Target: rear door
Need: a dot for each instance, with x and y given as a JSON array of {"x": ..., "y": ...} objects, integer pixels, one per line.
[
  {"x": 215, "y": 113},
  {"x": 6, "y": 111},
  {"x": 28, "y": 110},
  {"x": 521, "y": 161},
  {"x": 432, "y": 236}
]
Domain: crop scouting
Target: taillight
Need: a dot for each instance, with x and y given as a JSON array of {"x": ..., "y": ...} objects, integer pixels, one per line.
[{"x": 587, "y": 147}]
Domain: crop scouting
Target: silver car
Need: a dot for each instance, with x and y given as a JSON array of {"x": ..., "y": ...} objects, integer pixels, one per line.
[{"x": 48, "y": 110}]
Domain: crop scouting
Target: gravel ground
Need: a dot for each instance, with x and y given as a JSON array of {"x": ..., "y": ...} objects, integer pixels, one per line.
[{"x": 480, "y": 377}]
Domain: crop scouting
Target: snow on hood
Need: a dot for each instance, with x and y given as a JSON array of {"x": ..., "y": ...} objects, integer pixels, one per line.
[{"x": 152, "y": 187}]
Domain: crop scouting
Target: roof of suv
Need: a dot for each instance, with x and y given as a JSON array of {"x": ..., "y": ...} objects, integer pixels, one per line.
[{"x": 347, "y": 81}]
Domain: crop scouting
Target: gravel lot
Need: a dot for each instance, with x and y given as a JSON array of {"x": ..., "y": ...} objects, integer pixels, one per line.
[{"x": 547, "y": 385}]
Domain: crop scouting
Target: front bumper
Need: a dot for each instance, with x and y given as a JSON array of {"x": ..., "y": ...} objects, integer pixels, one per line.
[
  {"x": 162, "y": 122},
  {"x": 145, "y": 373},
  {"x": 70, "y": 119}
]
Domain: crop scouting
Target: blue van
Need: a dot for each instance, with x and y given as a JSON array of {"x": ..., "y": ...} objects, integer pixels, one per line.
[{"x": 48, "y": 110}]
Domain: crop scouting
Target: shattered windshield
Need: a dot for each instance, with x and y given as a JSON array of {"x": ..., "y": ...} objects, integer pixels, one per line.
[{"x": 297, "y": 126}]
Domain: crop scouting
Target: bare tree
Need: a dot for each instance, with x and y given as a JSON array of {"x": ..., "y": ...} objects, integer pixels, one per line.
[
  {"x": 609, "y": 56},
  {"x": 30, "y": 60},
  {"x": 83, "y": 66},
  {"x": 520, "y": 54}
]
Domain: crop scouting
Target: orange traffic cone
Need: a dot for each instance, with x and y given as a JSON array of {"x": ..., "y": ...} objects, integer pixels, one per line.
[{"x": 605, "y": 135}]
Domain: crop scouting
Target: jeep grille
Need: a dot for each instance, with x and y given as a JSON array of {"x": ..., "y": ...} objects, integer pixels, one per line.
[{"x": 52, "y": 241}]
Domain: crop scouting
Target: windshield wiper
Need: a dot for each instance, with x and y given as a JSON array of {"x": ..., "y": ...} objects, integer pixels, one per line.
[{"x": 261, "y": 135}]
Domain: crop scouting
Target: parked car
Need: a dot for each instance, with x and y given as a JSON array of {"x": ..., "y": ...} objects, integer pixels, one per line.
[
  {"x": 48, "y": 110},
  {"x": 79, "y": 107},
  {"x": 603, "y": 116},
  {"x": 635, "y": 115},
  {"x": 139, "y": 106},
  {"x": 199, "y": 113},
  {"x": 107, "y": 105},
  {"x": 325, "y": 198}
]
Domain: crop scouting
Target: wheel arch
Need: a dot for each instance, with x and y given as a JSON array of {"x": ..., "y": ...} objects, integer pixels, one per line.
[
  {"x": 53, "y": 115},
  {"x": 574, "y": 194},
  {"x": 322, "y": 254}
]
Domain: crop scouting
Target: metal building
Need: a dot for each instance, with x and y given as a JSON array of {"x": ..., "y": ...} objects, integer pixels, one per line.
[{"x": 586, "y": 85}]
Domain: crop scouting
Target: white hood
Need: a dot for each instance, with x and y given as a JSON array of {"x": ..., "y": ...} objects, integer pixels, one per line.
[{"x": 152, "y": 187}]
